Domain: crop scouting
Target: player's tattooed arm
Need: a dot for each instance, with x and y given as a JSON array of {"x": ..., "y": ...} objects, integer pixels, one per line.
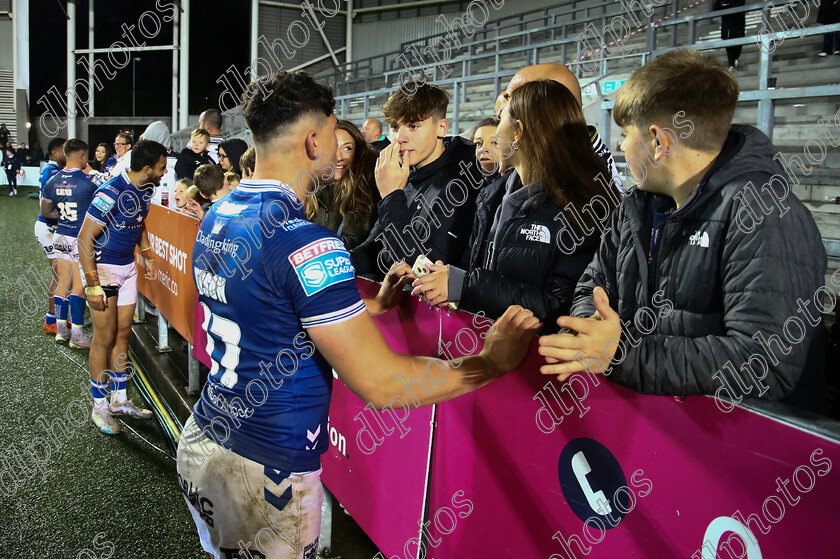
[
  {"x": 49, "y": 209},
  {"x": 364, "y": 362}
]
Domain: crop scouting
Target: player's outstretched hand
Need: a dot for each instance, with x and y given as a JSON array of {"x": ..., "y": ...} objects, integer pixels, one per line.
[
  {"x": 508, "y": 342},
  {"x": 390, "y": 292}
]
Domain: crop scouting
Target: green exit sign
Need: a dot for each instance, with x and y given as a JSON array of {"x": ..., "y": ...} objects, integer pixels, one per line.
[{"x": 611, "y": 85}]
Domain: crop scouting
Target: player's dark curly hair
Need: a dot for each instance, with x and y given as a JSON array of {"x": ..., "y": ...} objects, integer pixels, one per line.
[
  {"x": 55, "y": 143},
  {"x": 146, "y": 152},
  {"x": 291, "y": 95}
]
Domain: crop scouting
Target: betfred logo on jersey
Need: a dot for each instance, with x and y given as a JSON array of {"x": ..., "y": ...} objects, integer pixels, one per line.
[{"x": 321, "y": 264}]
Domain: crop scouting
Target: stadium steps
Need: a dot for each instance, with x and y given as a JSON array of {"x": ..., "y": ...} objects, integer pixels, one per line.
[
  {"x": 7, "y": 104},
  {"x": 168, "y": 371}
]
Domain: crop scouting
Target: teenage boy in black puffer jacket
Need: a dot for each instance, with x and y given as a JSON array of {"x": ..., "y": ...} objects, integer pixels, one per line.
[
  {"x": 710, "y": 278},
  {"x": 428, "y": 185}
]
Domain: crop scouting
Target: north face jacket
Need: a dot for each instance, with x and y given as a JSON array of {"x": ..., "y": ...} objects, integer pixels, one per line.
[
  {"x": 432, "y": 215},
  {"x": 525, "y": 265},
  {"x": 731, "y": 264}
]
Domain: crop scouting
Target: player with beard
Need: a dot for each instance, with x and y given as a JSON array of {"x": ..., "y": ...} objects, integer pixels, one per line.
[{"x": 114, "y": 225}]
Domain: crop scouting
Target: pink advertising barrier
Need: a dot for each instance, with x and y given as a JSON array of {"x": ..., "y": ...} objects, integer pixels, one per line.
[
  {"x": 636, "y": 477},
  {"x": 676, "y": 465}
]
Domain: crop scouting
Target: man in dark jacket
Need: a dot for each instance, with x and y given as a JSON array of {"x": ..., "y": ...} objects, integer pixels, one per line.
[
  {"x": 428, "y": 185},
  {"x": 715, "y": 269}
]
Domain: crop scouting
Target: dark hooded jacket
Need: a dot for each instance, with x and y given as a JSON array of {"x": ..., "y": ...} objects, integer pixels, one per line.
[
  {"x": 518, "y": 256},
  {"x": 189, "y": 161},
  {"x": 727, "y": 275},
  {"x": 233, "y": 150},
  {"x": 432, "y": 215}
]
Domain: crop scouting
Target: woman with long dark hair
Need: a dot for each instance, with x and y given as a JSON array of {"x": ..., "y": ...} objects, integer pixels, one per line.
[
  {"x": 103, "y": 158},
  {"x": 534, "y": 233},
  {"x": 103, "y": 161},
  {"x": 347, "y": 206}
]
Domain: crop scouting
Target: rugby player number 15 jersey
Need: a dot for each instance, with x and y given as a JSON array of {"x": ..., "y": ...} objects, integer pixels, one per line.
[
  {"x": 264, "y": 274},
  {"x": 71, "y": 190}
]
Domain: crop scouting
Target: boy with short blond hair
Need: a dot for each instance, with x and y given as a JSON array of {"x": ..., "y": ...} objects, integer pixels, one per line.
[
  {"x": 194, "y": 155},
  {"x": 706, "y": 260},
  {"x": 232, "y": 180}
]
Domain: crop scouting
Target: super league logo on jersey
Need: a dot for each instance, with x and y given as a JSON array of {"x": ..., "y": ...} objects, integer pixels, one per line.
[
  {"x": 314, "y": 274},
  {"x": 320, "y": 264}
]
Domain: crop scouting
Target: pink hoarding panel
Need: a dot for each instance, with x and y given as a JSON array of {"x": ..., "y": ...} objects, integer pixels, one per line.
[
  {"x": 377, "y": 461},
  {"x": 659, "y": 469}
]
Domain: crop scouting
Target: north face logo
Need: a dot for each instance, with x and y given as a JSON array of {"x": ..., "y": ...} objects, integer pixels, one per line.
[
  {"x": 699, "y": 238},
  {"x": 537, "y": 233}
]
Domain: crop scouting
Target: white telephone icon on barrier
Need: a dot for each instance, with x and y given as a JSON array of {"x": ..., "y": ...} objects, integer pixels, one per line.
[{"x": 596, "y": 499}]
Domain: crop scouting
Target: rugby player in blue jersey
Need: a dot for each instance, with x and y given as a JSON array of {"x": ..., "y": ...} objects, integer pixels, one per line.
[
  {"x": 281, "y": 309},
  {"x": 113, "y": 226},
  {"x": 45, "y": 229},
  {"x": 67, "y": 196}
]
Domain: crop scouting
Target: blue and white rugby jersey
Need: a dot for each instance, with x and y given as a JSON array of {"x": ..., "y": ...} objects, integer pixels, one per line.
[
  {"x": 264, "y": 274},
  {"x": 71, "y": 190},
  {"x": 46, "y": 174},
  {"x": 121, "y": 207}
]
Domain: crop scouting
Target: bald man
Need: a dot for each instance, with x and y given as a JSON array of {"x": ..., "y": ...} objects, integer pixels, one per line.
[
  {"x": 561, "y": 74},
  {"x": 372, "y": 131},
  {"x": 212, "y": 120},
  {"x": 500, "y": 103}
]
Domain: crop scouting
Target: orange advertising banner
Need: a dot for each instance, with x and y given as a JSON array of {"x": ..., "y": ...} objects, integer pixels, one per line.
[{"x": 172, "y": 236}]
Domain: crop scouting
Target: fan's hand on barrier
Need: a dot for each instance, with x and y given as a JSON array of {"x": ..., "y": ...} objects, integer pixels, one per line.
[
  {"x": 508, "y": 343},
  {"x": 588, "y": 349}
]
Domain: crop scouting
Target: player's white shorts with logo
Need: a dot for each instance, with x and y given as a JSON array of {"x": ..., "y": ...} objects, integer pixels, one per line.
[
  {"x": 118, "y": 281},
  {"x": 233, "y": 499},
  {"x": 44, "y": 234},
  {"x": 66, "y": 247}
]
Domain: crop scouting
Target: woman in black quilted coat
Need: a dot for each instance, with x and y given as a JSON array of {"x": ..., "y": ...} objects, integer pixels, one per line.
[{"x": 536, "y": 228}]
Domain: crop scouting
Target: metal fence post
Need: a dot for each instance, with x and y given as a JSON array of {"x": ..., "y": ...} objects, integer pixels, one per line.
[
  {"x": 325, "y": 542},
  {"x": 192, "y": 372},
  {"x": 766, "y": 107},
  {"x": 140, "y": 309},
  {"x": 606, "y": 122},
  {"x": 163, "y": 334},
  {"x": 456, "y": 109}
]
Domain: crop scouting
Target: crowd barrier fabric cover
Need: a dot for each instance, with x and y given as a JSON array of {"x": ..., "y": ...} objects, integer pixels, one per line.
[
  {"x": 531, "y": 467},
  {"x": 172, "y": 236}
]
